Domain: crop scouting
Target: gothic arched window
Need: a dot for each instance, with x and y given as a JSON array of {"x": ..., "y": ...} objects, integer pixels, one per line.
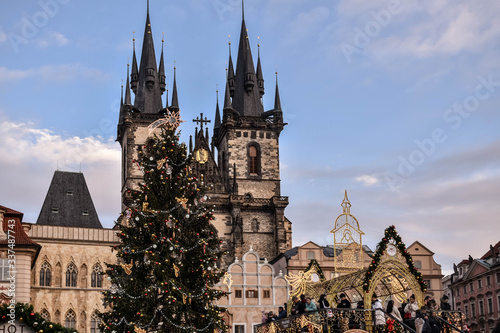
[
  {"x": 70, "y": 320},
  {"x": 253, "y": 160},
  {"x": 45, "y": 275},
  {"x": 71, "y": 275},
  {"x": 45, "y": 314},
  {"x": 96, "y": 277},
  {"x": 94, "y": 322}
]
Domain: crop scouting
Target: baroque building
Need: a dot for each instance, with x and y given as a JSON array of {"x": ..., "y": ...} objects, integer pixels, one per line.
[
  {"x": 242, "y": 160},
  {"x": 474, "y": 288}
]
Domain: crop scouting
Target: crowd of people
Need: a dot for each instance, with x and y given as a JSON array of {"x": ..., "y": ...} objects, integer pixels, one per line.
[{"x": 424, "y": 318}]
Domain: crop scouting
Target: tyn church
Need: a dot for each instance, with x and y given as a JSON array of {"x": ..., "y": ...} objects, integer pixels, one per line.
[{"x": 242, "y": 159}]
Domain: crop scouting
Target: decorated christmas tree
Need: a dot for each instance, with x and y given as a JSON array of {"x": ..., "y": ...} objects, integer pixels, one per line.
[{"x": 169, "y": 255}]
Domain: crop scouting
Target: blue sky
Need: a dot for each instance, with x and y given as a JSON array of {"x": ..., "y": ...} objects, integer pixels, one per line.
[{"x": 395, "y": 101}]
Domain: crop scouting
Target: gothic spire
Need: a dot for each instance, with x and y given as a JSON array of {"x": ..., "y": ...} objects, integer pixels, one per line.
[
  {"x": 148, "y": 95},
  {"x": 128, "y": 100},
  {"x": 277, "y": 101},
  {"x": 161, "y": 69},
  {"x": 134, "y": 78},
  {"x": 260, "y": 77},
  {"x": 246, "y": 99},
  {"x": 230, "y": 72},
  {"x": 217, "y": 121},
  {"x": 175, "y": 101},
  {"x": 227, "y": 98}
]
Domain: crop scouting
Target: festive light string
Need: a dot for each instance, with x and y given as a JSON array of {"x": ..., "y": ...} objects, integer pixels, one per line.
[{"x": 123, "y": 320}]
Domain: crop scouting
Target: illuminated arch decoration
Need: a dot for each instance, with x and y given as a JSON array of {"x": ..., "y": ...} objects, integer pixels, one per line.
[
  {"x": 347, "y": 240},
  {"x": 386, "y": 268},
  {"x": 388, "y": 276}
]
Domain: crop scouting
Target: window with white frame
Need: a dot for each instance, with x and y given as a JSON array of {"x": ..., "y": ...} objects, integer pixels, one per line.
[
  {"x": 239, "y": 328},
  {"x": 4, "y": 269}
]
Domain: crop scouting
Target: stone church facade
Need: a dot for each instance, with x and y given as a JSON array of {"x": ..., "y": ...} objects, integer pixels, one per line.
[{"x": 241, "y": 161}]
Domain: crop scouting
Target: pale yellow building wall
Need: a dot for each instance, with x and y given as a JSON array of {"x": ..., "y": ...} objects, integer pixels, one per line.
[{"x": 61, "y": 246}]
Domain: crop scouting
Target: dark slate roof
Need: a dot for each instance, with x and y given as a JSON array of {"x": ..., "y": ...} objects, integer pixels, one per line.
[{"x": 68, "y": 202}]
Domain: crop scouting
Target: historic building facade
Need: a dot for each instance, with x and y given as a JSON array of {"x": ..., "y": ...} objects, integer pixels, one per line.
[
  {"x": 254, "y": 287},
  {"x": 242, "y": 161},
  {"x": 474, "y": 288}
]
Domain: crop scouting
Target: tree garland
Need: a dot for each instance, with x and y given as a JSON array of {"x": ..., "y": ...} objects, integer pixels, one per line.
[
  {"x": 24, "y": 313},
  {"x": 391, "y": 233},
  {"x": 312, "y": 263}
]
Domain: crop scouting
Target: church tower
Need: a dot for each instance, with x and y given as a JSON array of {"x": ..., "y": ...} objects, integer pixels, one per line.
[
  {"x": 147, "y": 81},
  {"x": 247, "y": 142},
  {"x": 240, "y": 161}
]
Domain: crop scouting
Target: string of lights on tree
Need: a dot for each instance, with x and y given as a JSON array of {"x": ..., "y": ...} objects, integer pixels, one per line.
[
  {"x": 169, "y": 254},
  {"x": 391, "y": 236}
]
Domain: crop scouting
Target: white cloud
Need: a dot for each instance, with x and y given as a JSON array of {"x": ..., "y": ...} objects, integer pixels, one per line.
[
  {"x": 367, "y": 180},
  {"x": 59, "y": 73},
  {"x": 30, "y": 156}
]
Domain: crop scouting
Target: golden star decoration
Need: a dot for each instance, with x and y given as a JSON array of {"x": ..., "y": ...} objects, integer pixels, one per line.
[
  {"x": 172, "y": 120},
  {"x": 139, "y": 330}
]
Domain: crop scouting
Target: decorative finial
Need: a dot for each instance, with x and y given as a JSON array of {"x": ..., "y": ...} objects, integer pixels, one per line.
[
  {"x": 133, "y": 36},
  {"x": 148, "y": 8},
  {"x": 229, "y": 38},
  {"x": 162, "y": 38},
  {"x": 243, "y": 10},
  {"x": 258, "y": 41},
  {"x": 174, "y": 65},
  {"x": 346, "y": 205},
  {"x": 122, "y": 80}
]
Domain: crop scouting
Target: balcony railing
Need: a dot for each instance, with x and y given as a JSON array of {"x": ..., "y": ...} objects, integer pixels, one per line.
[{"x": 342, "y": 320}]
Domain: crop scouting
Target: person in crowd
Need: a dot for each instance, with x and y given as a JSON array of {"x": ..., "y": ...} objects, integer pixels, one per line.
[
  {"x": 379, "y": 315},
  {"x": 281, "y": 313},
  {"x": 444, "y": 303},
  {"x": 422, "y": 319},
  {"x": 432, "y": 305},
  {"x": 434, "y": 322},
  {"x": 310, "y": 305},
  {"x": 360, "y": 305},
  {"x": 270, "y": 317},
  {"x": 263, "y": 318},
  {"x": 427, "y": 299},
  {"x": 393, "y": 310},
  {"x": 298, "y": 307},
  {"x": 323, "y": 303},
  {"x": 411, "y": 312},
  {"x": 344, "y": 302}
]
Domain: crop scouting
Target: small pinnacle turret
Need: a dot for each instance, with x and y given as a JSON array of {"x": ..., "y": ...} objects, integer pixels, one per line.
[
  {"x": 260, "y": 77},
  {"x": 161, "y": 70},
  {"x": 175, "y": 100}
]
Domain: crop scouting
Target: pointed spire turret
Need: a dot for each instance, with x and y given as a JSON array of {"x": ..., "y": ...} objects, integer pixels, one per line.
[
  {"x": 230, "y": 72},
  {"x": 246, "y": 98},
  {"x": 161, "y": 70},
  {"x": 227, "y": 98},
  {"x": 134, "y": 77},
  {"x": 217, "y": 121},
  {"x": 277, "y": 101},
  {"x": 148, "y": 92},
  {"x": 128, "y": 99},
  {"x": 175, "y": 101},
  {"x": 260, "y": 77},
  {"x": 121, "y": 97}
]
